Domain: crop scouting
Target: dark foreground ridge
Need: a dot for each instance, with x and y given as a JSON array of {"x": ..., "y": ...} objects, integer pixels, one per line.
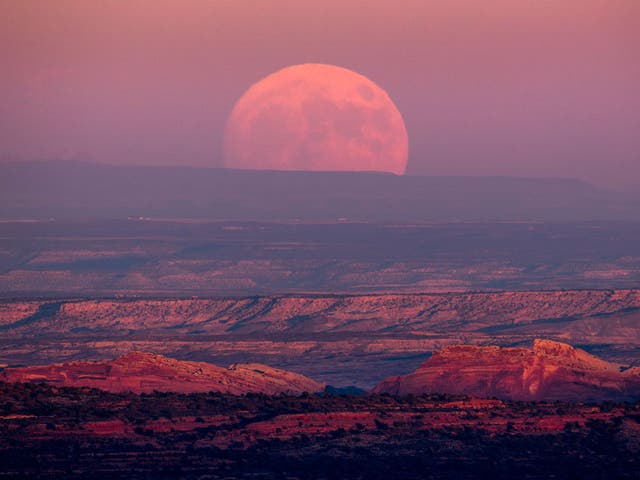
[{"x": 53, "y": 432}]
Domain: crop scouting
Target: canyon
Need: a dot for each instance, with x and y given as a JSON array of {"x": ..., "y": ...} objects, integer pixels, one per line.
[{"x": 335, "y": 339}]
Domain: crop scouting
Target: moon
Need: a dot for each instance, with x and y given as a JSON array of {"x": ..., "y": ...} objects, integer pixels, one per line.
[{"x": 316, "y": 117}]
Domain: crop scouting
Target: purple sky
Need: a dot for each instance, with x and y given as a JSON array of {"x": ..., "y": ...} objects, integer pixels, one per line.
[{"x": 494, "y": 87}]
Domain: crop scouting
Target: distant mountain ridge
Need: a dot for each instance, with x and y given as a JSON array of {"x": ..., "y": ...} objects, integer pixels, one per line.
[{"x": 68, "y": 189}]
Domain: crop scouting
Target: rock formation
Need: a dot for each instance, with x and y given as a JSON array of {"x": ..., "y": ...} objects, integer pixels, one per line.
[
  {"x": 549, "y": 371},
  {"x": 315, "y": 313},
  {"x": 140, "y": 372}
]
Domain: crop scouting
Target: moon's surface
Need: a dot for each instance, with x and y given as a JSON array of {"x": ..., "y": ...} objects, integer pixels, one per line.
[{"x": 316, "y": 117}]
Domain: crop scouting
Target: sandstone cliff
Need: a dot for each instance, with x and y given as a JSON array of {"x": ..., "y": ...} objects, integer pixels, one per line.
[
  {"x": 140, "y": 372},
  {"x": 549, "y": 371}
]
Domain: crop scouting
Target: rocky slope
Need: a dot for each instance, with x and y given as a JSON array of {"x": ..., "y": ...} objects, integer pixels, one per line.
[
  {"x": 549, "y": 371},
  {"x": 141, "y": 372}
]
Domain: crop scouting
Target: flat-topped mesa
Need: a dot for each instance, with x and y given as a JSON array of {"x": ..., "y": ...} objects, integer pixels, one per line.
[
  {"x": 549, "y": 371},
  {"x": 142, "y": 372}
]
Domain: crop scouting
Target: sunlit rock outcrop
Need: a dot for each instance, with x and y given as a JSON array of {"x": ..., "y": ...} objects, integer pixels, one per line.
[
  {"x": 141, "y": 372},
  {"x": 548, "y": 371}
]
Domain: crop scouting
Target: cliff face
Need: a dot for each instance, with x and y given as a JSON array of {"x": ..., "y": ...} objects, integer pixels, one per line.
[
  {"x": 549, "y": 371},
  {"x": 313, "y": 314},
  {"x": 141, "y": 372}
]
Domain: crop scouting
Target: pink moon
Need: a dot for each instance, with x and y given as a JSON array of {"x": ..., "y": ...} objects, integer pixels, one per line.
[{"x": 316, "y": 117}]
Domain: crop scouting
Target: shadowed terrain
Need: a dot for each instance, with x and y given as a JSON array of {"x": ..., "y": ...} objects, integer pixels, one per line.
[{"x": 49, "y": 432}]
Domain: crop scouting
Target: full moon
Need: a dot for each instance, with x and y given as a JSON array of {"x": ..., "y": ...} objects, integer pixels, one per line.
[{"x": 316, "y": 117}]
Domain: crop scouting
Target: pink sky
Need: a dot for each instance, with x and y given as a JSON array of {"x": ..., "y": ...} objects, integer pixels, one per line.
[{"x": 494, "y": 87}]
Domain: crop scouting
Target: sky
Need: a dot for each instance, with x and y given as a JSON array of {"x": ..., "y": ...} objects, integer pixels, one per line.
[{"x": 542, "y": 88}]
